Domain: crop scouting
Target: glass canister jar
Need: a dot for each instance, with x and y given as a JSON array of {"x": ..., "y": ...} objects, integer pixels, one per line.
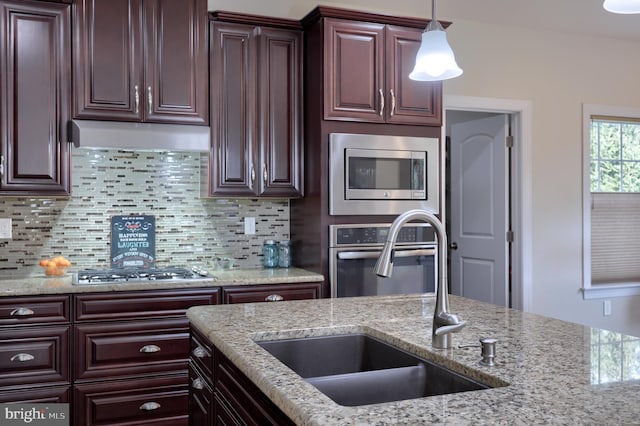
[
  {"x": 284, "y": 254},
  {"x": 270, "y": 254}
]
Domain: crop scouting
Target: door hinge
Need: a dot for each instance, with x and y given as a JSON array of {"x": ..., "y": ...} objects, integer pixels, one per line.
[
  {"x": 509, "y": 141},
  {"x": 509, "y": 236}
]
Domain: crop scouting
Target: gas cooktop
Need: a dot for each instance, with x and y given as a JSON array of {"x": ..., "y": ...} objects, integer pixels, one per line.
[{"x": 115, "y": 275}]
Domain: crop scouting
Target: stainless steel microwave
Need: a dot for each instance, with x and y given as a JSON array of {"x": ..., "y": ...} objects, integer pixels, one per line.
[{"x": 381, "y": 175}]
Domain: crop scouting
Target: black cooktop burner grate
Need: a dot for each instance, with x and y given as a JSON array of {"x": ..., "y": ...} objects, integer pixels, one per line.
[{"x": 115, "y": 275}]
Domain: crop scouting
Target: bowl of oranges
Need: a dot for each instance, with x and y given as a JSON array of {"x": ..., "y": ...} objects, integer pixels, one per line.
[{"x": 56, "y": 266}]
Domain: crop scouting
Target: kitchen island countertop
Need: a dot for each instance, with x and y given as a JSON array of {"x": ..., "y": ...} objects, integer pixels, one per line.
[
  {"x": 558, "y": 373},
  {"x": 37, "y": 285}
]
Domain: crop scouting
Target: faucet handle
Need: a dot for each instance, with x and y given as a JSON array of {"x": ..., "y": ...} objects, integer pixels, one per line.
[{"x": 445, "y": 329}]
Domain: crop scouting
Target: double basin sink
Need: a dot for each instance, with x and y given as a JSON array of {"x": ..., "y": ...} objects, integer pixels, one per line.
[{"x": 358, "y": 369}]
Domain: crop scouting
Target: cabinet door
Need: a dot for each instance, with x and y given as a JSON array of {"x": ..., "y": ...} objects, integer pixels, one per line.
[
  {"x": 107, "y": 45},
  {"x": 176, "y": 71},
  {"x": 35, "y": 57},
  {"x": 354, "y": 71},
  {"x": 280, "y": 107},
  {"x": 233, "y": 110},
  {"x": 412, "y": 102}
]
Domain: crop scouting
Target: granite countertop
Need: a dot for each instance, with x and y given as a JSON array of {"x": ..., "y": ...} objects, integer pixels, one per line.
[
  {"x": 549, "y": 365},
  {"x": 36, "y": 285}
]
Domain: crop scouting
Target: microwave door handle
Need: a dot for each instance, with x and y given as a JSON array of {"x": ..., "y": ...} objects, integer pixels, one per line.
[{"x": 350, "y": 255}]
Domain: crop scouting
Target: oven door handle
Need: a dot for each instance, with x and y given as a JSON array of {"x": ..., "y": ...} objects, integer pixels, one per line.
[{"x": 349, "y": 255}]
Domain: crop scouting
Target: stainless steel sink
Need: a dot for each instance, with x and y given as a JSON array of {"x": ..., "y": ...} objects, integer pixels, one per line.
[{"x": 357, "y": 369}]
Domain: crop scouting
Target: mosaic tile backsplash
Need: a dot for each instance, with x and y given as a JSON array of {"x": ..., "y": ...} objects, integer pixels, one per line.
[{"x": 189, "y": 229}]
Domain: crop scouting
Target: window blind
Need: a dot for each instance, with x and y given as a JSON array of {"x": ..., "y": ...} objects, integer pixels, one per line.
[{"x": 615, "y": 237}]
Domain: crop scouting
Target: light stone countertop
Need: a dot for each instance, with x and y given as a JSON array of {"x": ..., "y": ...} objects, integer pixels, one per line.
[
  {"x": 37, "y": 285},
  {"x": 548, "y": 364}
]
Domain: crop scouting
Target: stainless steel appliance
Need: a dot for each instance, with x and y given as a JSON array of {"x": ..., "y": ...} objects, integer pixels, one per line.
[
  {"x": 116, "y": 275},
  {"x": 355, "y": 248},
  {"x": 379, "y": 174}
]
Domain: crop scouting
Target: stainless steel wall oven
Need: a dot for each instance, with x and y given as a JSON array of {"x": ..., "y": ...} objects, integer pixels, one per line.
[{"x": 354, "y": 249}]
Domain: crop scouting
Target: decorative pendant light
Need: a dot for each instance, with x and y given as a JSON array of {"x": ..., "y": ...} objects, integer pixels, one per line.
[
  {"x": 435, "y": 60},
  {"x": 622, "y": 6}
]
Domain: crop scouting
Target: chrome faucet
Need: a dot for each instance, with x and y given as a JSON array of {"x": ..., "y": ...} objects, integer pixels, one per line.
[{"x": 444, "y": 323}]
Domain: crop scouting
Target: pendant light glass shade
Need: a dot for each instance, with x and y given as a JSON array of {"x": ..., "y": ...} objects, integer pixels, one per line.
[
  {"x": 435, "y": 60},
  {"x": 622, "y": 6}
]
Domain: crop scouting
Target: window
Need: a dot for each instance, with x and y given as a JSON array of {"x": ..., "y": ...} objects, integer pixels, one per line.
[
  {"x": 611, "y": 201},
  {"x": 615, "y": 154}
]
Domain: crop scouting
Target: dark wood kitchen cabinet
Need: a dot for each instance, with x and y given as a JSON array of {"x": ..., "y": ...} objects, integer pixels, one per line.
[
  {"x": 141, "y": 60},
  {"x": 35, "y": 98},
  {"x": 222, "y": 395},
  {"x": 367, "y": 68},
  {"x": 132, "y": 352},
  {"x": 35, "y": 352},
  {"x": 272, "y": 292},
  {"x": 256, "y": 107}
]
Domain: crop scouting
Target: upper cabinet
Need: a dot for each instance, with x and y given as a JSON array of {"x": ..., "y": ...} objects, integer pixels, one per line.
[
  {"x": 366, "y": 64},
  {"x": 256, "y": 108},
  {"x": 141, "y": 60},
  {"x": 35, "y": 98}
]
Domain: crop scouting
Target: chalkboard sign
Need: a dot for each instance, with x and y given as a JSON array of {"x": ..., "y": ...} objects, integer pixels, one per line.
[{"x": 133, "y": 241}]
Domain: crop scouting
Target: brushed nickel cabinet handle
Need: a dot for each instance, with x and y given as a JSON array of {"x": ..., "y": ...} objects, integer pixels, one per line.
[
  {"x": 274, "y": 298},
  {"x": 150, "y": 99},
  {"x": 22, "y": 357},
  {"x": 1, "y": 165},
  {"x": 148, "y": 349},
  {"x": 381, "y": 102},
  {"x": 136, "y": 96},
  {"x": 265, "y": 174},
  {"x": 199, "y": 352},
  {"x": 197, "y": 383},
  {"x": 393, "y": 103},
  {"x": 21, "y": 312},
  {"x": 253, "y": 174},
  {"x": 150, "y": 406}
]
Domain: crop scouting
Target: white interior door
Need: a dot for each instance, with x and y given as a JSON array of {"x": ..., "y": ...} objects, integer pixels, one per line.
[{"x": 479, "y": 206}]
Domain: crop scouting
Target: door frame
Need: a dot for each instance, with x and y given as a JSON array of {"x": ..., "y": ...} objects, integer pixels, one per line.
[{"x": 522, "y": 131}]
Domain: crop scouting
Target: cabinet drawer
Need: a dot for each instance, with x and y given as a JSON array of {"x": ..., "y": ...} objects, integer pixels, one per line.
[
  {"x": 132, "y": 348},
  {"x": 201, "y": 353},
  {"x": 34, "y": 356},
  {"x": 32, "y": 310},
  {"x": 141, "y": 304},
  {"x": 272, "y": 293},
  {"x": 55, "y": 394},
  {"x": 156, "y": 401}
]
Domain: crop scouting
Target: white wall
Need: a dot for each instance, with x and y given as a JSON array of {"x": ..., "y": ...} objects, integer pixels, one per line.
[{"x": 557, "y": 72}]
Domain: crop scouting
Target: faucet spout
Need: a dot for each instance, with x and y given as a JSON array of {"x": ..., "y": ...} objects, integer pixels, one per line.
[{"x": 444, "y": 322}]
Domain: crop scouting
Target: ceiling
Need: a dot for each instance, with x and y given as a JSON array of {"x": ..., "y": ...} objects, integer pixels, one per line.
[{"x": 574, "y": 16}]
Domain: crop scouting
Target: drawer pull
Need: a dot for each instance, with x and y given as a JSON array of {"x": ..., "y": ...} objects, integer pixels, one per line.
[
  {"x": 197, "y": 383},
  {"x": 22, "y": 357},
  {"x": 150, "y": 406},
  {"x": 22, "y": 312},
  {"x": 149, "y": 349},
  {"x": 273, "y": 298},
  {"x": 199, "y": 352}
]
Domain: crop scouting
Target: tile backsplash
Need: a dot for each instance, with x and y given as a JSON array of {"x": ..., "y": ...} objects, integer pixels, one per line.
[{"x": 189, "y": 229}]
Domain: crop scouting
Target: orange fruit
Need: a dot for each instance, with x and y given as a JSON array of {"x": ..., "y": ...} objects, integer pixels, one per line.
[{"x": 44, "y": 263}]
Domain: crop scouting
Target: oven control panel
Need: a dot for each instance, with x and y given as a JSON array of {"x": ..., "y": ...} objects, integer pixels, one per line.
[{"x": 349, "y": 235}]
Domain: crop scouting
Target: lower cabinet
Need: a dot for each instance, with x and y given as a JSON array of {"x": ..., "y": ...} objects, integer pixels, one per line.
[
  {"x": 149, "y": 401},
  {"x": 226, "y": 396},
  {"x": 35, "y": 337},
  {"x": 132, "y": 356},
  {"x": 272, "y": 292}
]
